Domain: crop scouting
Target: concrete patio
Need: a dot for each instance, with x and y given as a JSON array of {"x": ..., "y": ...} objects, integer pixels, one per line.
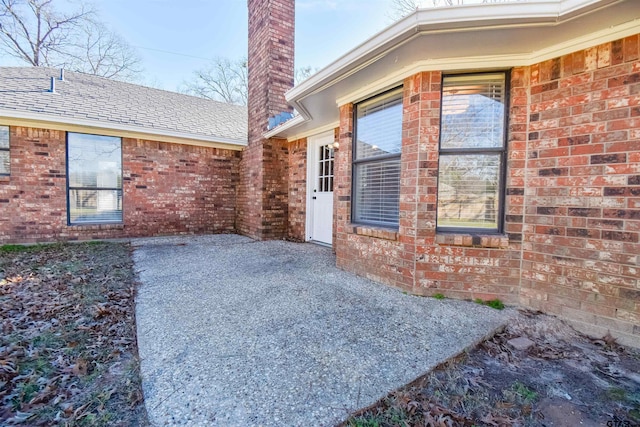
[{"x": 237, "y": 332}]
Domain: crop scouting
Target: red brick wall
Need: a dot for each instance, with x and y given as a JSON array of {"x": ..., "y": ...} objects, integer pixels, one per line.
[
  {"x": 176, "y": 189},
  {"x": 263, "y": 189},
  {"x": 366, "y": 251},
  {"x": 572, "y": 210},
  {"x": 452, "y": 264},
  {"x": 581, "y": 255},
  {"x": 33, "y": 200},
  {"x": 414, "y": 257},
  {"x": 168, "y": 189},
  {"x": 297, "y": 190}
]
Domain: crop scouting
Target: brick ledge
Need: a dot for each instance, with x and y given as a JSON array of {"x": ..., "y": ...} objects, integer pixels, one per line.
[
  {"x": 115, "y": 226},
  {"x": 377, "y": 232},
  {"x": 473, "y": 240}
]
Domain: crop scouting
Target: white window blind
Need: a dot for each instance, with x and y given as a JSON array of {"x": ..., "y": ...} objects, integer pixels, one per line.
[
  {"x": 473, "y": 111},
  {"x": 378, "y": 195},
  {"x": 376, "y": 159},
  {"x": 94, "y": 166}
]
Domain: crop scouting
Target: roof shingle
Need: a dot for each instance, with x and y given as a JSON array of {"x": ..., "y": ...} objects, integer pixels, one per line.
[{"x": 98, "y": 100}]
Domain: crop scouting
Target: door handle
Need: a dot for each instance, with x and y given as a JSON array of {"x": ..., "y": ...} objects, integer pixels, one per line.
[{"x": 314, "y": 197}]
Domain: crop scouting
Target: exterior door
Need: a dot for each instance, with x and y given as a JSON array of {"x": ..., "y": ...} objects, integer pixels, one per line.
[{"x": 320, "y": 188}]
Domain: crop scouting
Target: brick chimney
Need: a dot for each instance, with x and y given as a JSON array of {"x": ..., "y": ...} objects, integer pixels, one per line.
[{"x": 263, "y": 190}]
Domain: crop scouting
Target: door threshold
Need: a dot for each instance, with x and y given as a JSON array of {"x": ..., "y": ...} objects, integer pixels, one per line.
[{"x": 316, "y": 242}]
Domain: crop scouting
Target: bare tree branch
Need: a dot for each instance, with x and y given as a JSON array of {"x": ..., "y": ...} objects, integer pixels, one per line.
[
  {"x": 227, "y": 81},
  {"x": 36, "y": 32},
  {"x": 303, "y": 73},
  {"x": 402, "y": 8},
  {"x": 99, "y": 51},
  {"x": 222, "y": 80}
]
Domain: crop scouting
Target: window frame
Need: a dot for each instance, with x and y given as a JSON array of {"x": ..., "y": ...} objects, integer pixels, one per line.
[
  {"x": 501, "y": 151},
  {"x": 69, "y": 187},
  {"x": 372, "y": 160},
  {"x": 8, "y": 150}
]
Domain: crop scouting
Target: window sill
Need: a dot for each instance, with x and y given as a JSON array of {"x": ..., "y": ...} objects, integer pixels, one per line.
[
  {"x": 98, "y": 226},
  {"x": 473, "y": 240},
  {"x": 377, "y": 232}
]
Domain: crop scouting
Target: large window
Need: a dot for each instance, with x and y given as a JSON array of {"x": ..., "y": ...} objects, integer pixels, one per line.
[
  {"x": 472, "y": 153},
  {"x": 4, "y": 151},
  {"x": 376, "y": 159},
  {"x": 94, "y": 173}
]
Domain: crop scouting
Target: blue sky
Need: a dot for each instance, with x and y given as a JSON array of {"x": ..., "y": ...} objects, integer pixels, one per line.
[{"x": 176, "y": 37}]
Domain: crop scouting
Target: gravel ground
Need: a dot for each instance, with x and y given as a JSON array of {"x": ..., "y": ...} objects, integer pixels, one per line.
[{"x": 237, "y": 332}]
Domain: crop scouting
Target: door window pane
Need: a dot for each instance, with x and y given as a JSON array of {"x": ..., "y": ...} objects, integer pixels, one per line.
[{"x": 325, "y": 169}]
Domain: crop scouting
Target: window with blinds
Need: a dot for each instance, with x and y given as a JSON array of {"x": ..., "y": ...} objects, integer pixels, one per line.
[
  {"x": 94, "y": 174},
  {"x": 376, "y": 159},
  {"x": 5, "y": 168},
  {"x": 472, "y": 153}
]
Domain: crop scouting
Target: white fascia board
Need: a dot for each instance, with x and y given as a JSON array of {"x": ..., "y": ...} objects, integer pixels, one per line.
[
  {"x": 453, "y": 19},
  {"x": 568, "y": 7},
  {"x": 493, "y": 62},
  {"x": 443, "y": 19},
  {"x": 45, "y": 118}
]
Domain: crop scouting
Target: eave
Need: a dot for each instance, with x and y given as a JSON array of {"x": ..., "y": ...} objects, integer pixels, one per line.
[
  {"x": 457, "y": 39},
  {"x": 29, "y": 119}
]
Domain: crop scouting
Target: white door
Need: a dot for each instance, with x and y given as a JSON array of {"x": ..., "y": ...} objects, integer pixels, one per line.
[{"x": 320, "y": 188}]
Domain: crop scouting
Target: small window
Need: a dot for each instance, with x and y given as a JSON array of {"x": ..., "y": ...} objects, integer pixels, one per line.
[
  {"x": 325, "y": 169},
  {"x": 94, "y": 174},
  {"x": 472, "y": 153},
  {"x": 376, "y": 159},
  {"x": 5, "y": 167}
]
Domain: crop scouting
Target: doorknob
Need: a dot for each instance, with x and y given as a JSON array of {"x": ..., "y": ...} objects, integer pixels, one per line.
[{"x": 314, "y": 197}]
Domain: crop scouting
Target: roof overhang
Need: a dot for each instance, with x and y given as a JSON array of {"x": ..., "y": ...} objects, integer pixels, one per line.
[
  {"x": 29, "y": 119},
  {"x": 456, "y": 39}
]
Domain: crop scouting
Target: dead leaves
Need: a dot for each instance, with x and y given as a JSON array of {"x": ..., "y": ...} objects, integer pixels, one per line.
[
  {"x": 497, "y": 421},
  {"x": 67, "y": 318},
  {"x": 80, "y": 368}
]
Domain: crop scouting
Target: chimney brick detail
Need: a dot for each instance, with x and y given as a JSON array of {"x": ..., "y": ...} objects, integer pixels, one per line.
[{"x": 263, "y": 191}]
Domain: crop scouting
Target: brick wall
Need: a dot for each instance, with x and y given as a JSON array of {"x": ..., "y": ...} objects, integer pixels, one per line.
[
  {"x": 581, "y": 256},
  {"x": 414, "y": 257},
  {"x": 369, "y": 252},
  {"x": 168, "y": 189},
  {"x": 177, "y": 189},
  {"x": 571, "y": 245},
  {"x": 297, "y": 190},
  {"x": 263, "y": 190},
  {"x": 452, "y": 264},
  {"x": 33, "y": 198}
]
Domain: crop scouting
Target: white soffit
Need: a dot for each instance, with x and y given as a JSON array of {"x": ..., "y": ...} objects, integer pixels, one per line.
[{"x": 460, "y": 38}]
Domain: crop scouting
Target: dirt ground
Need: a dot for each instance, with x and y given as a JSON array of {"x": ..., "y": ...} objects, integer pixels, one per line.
[
  {"x": 537, "y": 372},
  {"x": 68, "y": 353}
]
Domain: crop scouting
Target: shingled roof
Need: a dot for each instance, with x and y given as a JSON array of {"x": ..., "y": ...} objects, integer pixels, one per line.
[{"x": 87, "y": 100}]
